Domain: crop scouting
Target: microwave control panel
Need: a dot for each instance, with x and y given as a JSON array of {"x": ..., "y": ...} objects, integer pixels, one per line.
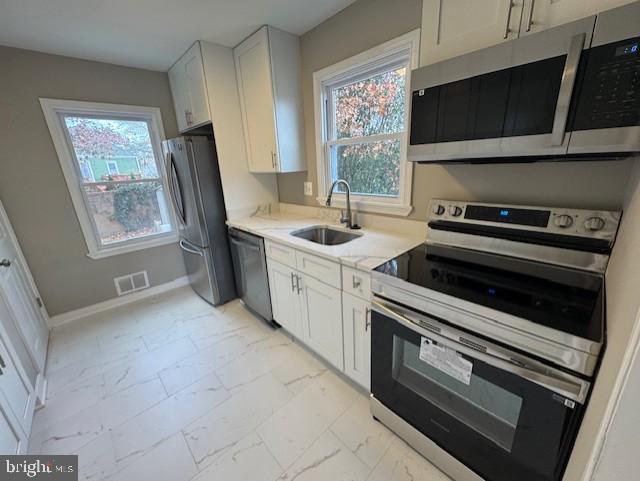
[{"x": 610, "y": 91}]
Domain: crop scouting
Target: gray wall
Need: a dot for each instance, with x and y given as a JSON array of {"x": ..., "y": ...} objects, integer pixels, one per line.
[
  {"x": 33, "y": 189},
  {"x": 367, "y": 23}
]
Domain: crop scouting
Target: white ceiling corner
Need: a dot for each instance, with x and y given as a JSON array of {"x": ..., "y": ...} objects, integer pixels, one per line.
[{"x": 149, "y": 34}]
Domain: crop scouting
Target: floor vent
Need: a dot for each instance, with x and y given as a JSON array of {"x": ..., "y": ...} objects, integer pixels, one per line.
[{"x": 131, "y": 282}]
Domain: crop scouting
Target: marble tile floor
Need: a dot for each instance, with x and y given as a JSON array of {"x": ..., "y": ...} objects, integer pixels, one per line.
[{"x": 173, "y": 389}]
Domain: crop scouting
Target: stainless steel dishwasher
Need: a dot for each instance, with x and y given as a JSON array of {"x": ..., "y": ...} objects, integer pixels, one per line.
[{"x": 250, "y": 270}]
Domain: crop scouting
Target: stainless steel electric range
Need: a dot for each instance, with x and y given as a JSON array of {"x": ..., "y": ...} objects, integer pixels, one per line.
[{"x": 487, "y": 338}]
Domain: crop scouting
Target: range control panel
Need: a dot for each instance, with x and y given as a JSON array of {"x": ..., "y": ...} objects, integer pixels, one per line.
[
  {"x": 596, "y": 224},
  {"x": 610, "y": 94}
]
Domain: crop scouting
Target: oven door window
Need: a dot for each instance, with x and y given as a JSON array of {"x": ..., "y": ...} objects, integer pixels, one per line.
[
  {"x": 499, "y": 424},
  {"x": 481, "y": 404}
]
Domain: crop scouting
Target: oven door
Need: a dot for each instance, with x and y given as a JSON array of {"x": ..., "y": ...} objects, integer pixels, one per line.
[{"x": 505, "y": 416}]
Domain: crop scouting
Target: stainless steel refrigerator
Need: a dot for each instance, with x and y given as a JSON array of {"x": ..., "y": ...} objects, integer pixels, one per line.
[{"x": 195, "y": 189}]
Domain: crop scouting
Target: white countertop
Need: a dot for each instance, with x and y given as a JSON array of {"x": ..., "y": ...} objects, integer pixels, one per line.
[{"x": 368, "y": 251}]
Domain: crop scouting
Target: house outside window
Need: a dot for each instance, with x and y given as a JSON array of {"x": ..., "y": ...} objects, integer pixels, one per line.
[
  {"x": 112, "y": 167},
  {"x": 111, "y": 158},
  {"x": 361, "y": 126}
]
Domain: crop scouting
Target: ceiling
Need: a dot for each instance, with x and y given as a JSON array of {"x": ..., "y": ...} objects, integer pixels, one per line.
[{"x": 149, "y": 34}]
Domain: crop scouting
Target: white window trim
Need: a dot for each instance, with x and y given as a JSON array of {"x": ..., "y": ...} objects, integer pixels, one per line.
[
  {"x": 109, "y": 168},
  {"x": 52, "y": 108},
  {"x": 398, "y": 206}
]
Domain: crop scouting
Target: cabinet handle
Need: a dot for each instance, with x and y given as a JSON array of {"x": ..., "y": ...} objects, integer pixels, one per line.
[
  {"x": 2, "y": 364},
  {"x": 530, "y": 19},
  {"x": 367, "y": 318},
  {"x": 187, "y": 116},
  {"x": 357, "y": 282},
  {"x": 507, "y": 30},
  {"x": 293, "y": 286},
  {"x": 5, "y": 263},
  {"x": 298, "y": 279},
  {"x": 273, "y": 160}
]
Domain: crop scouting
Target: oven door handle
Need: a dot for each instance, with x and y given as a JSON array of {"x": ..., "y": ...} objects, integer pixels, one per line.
[{"x": 572, "y": 388}]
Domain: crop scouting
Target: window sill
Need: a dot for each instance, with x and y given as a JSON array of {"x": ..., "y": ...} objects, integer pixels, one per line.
[
  {"x": 369, "y": 206},
  {"x": 138, "y": 246}
]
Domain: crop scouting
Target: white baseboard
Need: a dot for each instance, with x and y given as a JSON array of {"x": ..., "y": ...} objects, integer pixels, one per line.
[{"x": 66, "y": 317}]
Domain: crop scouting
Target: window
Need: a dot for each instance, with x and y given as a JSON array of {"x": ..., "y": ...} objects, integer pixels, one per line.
[
  {"x": 361, "y": 126},
  {"x": 111, "y": 158},
  {"x": 112, "y": 167}
]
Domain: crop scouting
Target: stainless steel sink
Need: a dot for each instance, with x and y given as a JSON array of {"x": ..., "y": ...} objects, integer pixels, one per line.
[{"x": 324, "y": 235}]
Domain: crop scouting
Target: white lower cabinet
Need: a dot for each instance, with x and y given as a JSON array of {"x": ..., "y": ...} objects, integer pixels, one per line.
[
  {"x": 356, "y": 325},
  {"x": 321, "y": 309},
  {"x": 308, "y": 301},
  {"x": 285, "y": 302}
]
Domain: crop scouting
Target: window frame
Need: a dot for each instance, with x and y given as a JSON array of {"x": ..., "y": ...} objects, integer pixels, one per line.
[
  {"x": 365, "y": 64},
  {"x": 54, "y": 110}
]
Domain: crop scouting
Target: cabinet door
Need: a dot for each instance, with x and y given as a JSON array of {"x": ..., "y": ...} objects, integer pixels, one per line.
[
  {"x": 356, "y": 322},
  {"x": 455, "y": 27},
  {"x": 321, "y": 307},
  {"x": 284, "y": 296},
  {"x": 17, "y": 397},
  {"x": 196, "y": 87},
  {"x": 12, "y": 439},
  {"x": 539, "y": 15},
  {"x": 179, "y": 92},
  {"x": 253, "y": 68}
]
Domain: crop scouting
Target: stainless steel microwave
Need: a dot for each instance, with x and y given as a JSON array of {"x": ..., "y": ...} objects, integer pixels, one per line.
[{"x": 570, "y": 91}]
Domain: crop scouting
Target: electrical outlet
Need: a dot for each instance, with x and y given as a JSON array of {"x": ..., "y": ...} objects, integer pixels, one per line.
[{"x": 308, "y": 188}]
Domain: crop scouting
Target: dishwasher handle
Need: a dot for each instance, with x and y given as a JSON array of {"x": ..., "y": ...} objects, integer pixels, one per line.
[{"x": 243, "y": 243}]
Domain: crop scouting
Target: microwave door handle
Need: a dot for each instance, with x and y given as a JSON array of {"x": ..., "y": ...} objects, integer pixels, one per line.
[
  {"x": 575, "y": 391},
  {"x": 566, "y": 88}
]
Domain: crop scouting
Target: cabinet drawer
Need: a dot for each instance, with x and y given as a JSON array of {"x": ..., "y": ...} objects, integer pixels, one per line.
[
  {"x": 322, "y": 269},
  {"x": 280, "y": 253},
  {"x": 357, "y": 283}
]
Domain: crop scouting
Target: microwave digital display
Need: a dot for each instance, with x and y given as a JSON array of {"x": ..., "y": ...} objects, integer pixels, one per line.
[{"x": 631, "y": 49}]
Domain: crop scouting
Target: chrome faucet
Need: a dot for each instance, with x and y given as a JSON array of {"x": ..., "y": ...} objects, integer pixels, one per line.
[{"x": 345, "y": 218}]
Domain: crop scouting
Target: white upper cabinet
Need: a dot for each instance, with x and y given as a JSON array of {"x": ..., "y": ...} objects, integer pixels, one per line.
[
  {"x": 268, "y": 72},
  {"x": 542, "y": 14},
  {"x": 455, "y": 27},
  {"x": 189, "y": 90}
]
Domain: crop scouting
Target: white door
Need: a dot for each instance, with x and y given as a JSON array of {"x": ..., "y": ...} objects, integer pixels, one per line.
[
  {"x": 455, "y": 27},
  {"x": 284, "y": 296},
  {"x": 180, "y": 93},
  {"x": 20, "y": 295},
  {"x": 12, "y": 439},
  {"x": 196, "y": 87},
  {"x": 17, "y": 396},
  {"x": 542, "y": 14},
  {"x": 321, "y": 307},
  {"x": 356, "y": 319},
  {"x": 253, "y": 68}
]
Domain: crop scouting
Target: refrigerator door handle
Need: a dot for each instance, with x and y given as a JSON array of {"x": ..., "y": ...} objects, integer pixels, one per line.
[
  {"x": 190, "y": 250},
  {"x": 174, "y": 187}
]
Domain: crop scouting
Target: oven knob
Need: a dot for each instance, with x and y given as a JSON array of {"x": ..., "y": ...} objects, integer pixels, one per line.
[
  {"x": 594, "y": 224},
  {"x": 455, "y": 211},
  {"x": 563, "y": 221},
  {"x": 438, "y": 209}
]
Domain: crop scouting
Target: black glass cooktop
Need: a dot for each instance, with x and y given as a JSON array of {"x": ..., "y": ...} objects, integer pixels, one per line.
[{"x": 565, "y": 299}]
